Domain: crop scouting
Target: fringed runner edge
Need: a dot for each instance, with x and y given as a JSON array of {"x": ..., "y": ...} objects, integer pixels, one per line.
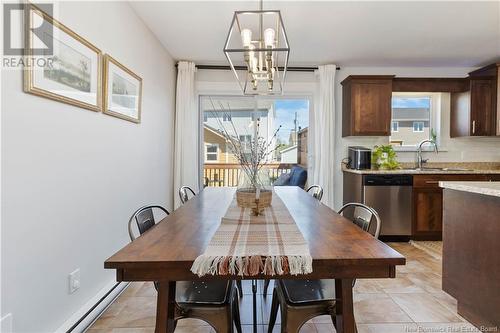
[{"x": 252, "y": 265}]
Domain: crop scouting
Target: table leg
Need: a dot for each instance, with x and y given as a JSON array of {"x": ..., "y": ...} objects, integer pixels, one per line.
[
  {"x": 165, "y": 307},
  {"x": 254, "y": 295},
  {"x": 344, "y": 307}
]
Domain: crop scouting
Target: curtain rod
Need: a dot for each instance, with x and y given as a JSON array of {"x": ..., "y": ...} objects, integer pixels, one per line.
[{"x": 290, "y": 68}]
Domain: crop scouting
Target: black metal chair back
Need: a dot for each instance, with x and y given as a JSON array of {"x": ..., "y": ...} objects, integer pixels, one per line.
[
  {"x": 215, "y": 302},
  {"x": 184, "y": 193},
  {"x": 363, "y": 217},
  {"x": 317, "y": 191},
  {"x": 144, "y": 218}
]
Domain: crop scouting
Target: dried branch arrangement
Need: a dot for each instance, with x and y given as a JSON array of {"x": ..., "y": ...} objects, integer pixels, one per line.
[{"x": 252, "y": 156}]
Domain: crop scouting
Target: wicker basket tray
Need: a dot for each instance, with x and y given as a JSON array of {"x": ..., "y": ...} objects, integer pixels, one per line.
[{"x": 246, "y": 199}]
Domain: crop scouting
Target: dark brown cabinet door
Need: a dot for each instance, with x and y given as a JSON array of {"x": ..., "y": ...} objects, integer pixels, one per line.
[
  {"x": 366, "y": 105},
  {"x": 474, "y": 112},
  {"x": 428, "y": 213},
  {"x": 428, "y": 203},
  {"x": 481, "y": 93}
]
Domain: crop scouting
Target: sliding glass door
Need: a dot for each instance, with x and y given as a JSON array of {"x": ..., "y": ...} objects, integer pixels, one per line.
[{"x": 281, "y": 122}]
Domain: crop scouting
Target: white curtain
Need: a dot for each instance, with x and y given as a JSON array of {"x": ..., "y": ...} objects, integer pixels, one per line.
[
  {"x": 186, "y": 155},
  {"x": 324, "y": 134}
]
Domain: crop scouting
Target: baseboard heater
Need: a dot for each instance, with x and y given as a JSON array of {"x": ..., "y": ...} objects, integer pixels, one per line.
[{"x": 86, "y": 316}]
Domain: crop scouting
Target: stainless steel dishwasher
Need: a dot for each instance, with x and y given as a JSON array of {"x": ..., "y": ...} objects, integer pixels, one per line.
[{"x": 391, "y": 197}]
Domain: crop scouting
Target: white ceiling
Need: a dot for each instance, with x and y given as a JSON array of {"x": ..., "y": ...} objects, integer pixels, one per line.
[{"x": 395, "y": 33}]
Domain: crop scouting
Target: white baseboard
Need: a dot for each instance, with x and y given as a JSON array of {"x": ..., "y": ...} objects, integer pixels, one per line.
[
  {"x": 95, "y": 313},
  {"x": 6, "y": 323}
]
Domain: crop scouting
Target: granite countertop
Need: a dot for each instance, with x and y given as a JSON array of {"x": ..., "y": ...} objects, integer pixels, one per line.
[
  {"x": 486, "y": 188},
  {"x": 457, "y": 168}
]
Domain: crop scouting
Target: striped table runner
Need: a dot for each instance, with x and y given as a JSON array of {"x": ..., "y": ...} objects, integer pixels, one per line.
[{"x": 247, "y": 245}]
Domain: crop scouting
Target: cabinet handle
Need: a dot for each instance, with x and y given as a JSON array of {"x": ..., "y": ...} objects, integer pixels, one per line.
[
  {"x": 474, "y": 127},
  {"x": 432, "y": 181}
]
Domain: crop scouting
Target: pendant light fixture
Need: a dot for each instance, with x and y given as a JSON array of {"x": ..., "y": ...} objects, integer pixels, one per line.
[{"x": 258, "y": 40}]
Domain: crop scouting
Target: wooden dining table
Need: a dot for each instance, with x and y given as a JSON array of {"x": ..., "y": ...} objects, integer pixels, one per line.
[{"x": 340, "y": 250}]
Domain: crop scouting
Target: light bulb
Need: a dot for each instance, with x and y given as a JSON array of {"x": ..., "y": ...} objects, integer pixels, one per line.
[
  {"x": 251, "y": 53},
  {"x": 246, "y": 37},
  {"x": 255, "y": 63},
  {"x": 269, "y": 37}
]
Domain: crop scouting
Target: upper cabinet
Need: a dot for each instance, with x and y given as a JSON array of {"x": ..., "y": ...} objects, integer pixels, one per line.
[
  {"x": 366, "y": 105},
  {"x": 475, "y": 102},
  {"x": 474, "y": 111}
]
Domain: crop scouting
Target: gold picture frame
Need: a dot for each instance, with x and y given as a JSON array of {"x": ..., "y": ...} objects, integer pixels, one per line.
[
  {"x": 118, "y": 103},
  {"x": 83, "y": 86}
]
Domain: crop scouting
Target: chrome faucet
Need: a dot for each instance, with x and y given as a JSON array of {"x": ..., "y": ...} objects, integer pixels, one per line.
[{"x": 420, "y": 160}]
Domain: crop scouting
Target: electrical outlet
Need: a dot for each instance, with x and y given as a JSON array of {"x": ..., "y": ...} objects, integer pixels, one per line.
[
  {"x": 74, "y": 281},
  {"x": 6, "y": 323}
]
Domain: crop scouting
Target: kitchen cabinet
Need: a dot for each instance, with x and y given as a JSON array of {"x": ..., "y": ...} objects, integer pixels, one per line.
[
  {"x": 474, "y": 111},
  {"x": 428, "y": 213},
  {"x": 428, "y": 202},
  {"x": 497, "y": 120},
  {"x": 471, "y": 271},
  {"x": 366, "y": 105}
]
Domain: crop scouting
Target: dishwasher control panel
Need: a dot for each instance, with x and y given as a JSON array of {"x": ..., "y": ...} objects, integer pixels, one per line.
[{"x": 388, "y": 180}]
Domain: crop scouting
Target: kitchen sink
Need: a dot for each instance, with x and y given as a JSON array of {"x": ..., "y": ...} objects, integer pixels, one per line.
[
  {"x": 456, "y": 169},
  {"x": 437, "y": 169}
]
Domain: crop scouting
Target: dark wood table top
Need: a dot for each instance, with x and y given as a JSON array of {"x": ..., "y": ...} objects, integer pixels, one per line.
[{"x": 337, "y": 246}]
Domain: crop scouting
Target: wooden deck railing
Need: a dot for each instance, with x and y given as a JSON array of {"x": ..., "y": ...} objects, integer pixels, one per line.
[{"x": 219, "y": 174}]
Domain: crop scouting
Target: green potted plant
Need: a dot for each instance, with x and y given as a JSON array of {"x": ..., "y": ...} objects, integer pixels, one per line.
[{"x": 384, "y": 157}]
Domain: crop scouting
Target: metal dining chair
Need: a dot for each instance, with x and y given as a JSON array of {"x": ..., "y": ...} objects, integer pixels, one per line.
[
  {"x": 302, "y": 300},
  {"x": 317, "y": 193},
  {"x": 184, "y": 193},
  {"x": 215, "y": 302}
]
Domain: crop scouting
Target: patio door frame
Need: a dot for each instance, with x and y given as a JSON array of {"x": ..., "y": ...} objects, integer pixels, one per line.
[{"x": 310, "y": 96}]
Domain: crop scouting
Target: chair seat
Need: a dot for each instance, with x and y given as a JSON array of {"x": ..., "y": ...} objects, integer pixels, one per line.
[
  {"x": 203, "y": 292},
  {"x": 308, "y": 291}
]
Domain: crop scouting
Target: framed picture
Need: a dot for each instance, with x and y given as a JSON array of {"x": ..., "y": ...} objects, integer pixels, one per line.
[
  {"x": 71, "y": 72},
  {"x": 122, "y": 91}
]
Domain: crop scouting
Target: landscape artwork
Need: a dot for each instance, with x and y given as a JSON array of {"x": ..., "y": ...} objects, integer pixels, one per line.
[
  {"x": 124, "y": 93},
  {"x": 71, "y": 71},
  {"x": 123, "y": 89},
  {"x": 69, "y": 67}
]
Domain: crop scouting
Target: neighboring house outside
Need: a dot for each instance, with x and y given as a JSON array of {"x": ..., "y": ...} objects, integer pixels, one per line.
[
  {"x": 297, "y": 153},
  {"x": 302, "y": 147},
  {"x": 243, "y": 119},
  {"x": 289, "y": 155},
  {"x": 410, "y": 126},
  {"x": 216, "y": 149}
]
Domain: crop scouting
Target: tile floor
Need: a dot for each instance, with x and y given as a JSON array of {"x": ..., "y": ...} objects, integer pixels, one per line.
[{"x": 412, "y": 302}]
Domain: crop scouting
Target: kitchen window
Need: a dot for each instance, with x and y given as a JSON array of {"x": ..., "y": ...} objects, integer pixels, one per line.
[
  {"x": 418, "y": 126},
  {"x": 412, "y": 117},
  {"x": 211, "y": 152}
]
